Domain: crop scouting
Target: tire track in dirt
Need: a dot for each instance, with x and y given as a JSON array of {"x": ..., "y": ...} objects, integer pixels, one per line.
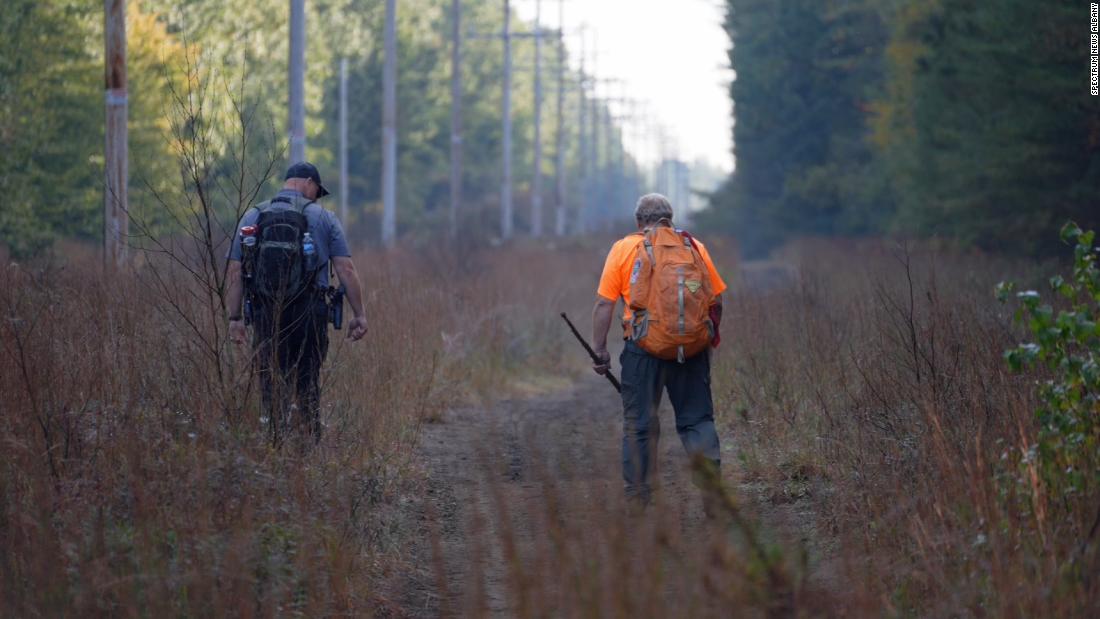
[{"x": 497, "y": 473}]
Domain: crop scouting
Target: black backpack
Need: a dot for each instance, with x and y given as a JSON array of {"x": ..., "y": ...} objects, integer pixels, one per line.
[{"x": 281, "y": 270}]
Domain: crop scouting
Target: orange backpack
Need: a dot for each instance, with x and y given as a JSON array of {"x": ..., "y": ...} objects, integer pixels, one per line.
[{"x": 670, "y": 296}]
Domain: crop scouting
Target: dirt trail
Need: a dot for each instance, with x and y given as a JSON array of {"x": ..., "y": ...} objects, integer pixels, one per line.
[
  {"x": 498, "y": 477},
  {"x": 495, "y": 476}
]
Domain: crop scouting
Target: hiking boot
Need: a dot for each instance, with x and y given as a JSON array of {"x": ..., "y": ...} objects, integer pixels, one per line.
[{"x": 638, "y": 501}]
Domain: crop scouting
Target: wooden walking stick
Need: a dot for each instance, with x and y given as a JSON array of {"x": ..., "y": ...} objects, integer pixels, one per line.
[{"x": 591, "y": 353}]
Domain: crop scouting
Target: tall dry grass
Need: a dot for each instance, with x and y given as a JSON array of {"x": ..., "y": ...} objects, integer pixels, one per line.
[
  {"x": 136, "y": 476},
  {"x": 875, "y": 447},
  {"x": 873, "y": 378}
]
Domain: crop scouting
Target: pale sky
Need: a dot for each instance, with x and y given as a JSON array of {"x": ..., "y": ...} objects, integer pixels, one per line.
[{"x": 670, "y": 54}]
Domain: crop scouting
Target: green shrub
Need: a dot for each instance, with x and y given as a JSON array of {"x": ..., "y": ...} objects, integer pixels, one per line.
[{"x": 1066, "y": 342}]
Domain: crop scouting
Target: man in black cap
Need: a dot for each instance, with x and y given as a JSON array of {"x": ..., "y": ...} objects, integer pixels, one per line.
[{"x": 282, "y": 250}]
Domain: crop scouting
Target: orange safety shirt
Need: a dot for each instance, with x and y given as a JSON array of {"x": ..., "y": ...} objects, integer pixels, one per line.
[{"x": 615, "y": 280}]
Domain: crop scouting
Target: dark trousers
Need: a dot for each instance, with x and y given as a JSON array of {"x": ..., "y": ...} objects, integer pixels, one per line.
[
  {"x": 644, "y": 379},
  {"x": 290, "y": 345}
]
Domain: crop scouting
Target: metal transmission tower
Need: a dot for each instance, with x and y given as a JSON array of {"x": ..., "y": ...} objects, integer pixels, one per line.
[
  {"x": 389, "y": 128},
  {"x": 116, "y": 221},
  {"x": 344, "y": 141},
  {"x": 456, "y": 115},
  {"x": 297, "y": 104}
]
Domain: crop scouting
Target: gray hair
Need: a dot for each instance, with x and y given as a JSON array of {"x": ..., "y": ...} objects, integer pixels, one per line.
[{"x": 652, "y": 208}]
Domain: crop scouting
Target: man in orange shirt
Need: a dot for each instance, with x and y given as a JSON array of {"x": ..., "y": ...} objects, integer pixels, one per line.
[{"x": 645, "y": 377}]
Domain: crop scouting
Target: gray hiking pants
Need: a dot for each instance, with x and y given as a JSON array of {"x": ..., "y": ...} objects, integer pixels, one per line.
[{"x": 644, "y": 379}]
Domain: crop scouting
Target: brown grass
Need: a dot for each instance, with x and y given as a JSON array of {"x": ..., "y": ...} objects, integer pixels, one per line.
[
  {"x": 136, "y": 476},
  {"x": 875, "y": 374},
  {"x": 875, "y": 449},
  {"x": 877, "y": 464}
]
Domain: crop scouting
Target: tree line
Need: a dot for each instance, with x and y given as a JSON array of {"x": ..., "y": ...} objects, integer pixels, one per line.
[
  {"x": 958, "y": 119},
  {"x": 223, "y": 63}
]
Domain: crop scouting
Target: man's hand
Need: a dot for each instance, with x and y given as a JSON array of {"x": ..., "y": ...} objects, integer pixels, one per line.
[
  {"x": 237, "y": 332},
  {"x": 357, "y": 328},
  {"x": 601, "y": 324},
  {"x": 605, "y": 362}
]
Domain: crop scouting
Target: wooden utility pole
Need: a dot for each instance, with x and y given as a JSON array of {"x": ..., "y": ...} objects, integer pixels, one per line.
[
  {"x": 506, "y": 113},
  {"x": 594, "y": 163},
  {"x": 559, "y": 149},
  {"x": 621, "y": 200},
  {"x": 536, "y": 183},
  {"x": 116, "y": 219},
  {"x": 344, "y": 141},
  {"x": 297, "y": 104},
  {"x": 389, "y": 128},
  {"x": 582, "y": 137},
  {"x": 456, "y": 114}
]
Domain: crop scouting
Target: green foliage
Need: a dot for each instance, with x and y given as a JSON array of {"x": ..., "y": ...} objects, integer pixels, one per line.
[
  {"x": 51, "y": 108},
  {"x": 51, "y": 119},
  {"x": 969, "y": 120},
  {"x": 1004, "y": 146},
  {"x": 50, "y": 124},
  {"x": 801, "y": 158},
  {"x": 1067, "y": 344}
]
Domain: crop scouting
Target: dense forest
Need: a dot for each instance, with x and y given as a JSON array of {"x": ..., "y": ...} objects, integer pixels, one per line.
[
  {"x": 956, "y": 119},
  {"x": 223, "y": 65}
]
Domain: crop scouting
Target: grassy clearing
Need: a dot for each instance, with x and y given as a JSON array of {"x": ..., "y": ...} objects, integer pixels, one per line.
[
  {"x": 136, "y": 473},
  {"x": 871, "y": 385},
  {"x": 876, "y": 462},
  {"x": 876, "y": 447}
]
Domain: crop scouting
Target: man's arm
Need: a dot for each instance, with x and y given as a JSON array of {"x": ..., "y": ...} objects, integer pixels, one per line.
[
  {"x": 716, "y": 320},
  {"x": 602, "y": 315},
  {"x": 233, "y": 296},
  {"x": 349, "y": 277},
  {"x": 234, "y": 293}
]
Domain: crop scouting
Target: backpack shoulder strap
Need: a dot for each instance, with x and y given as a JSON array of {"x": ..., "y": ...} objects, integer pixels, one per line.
[
  {"x": 647, "y": 242},
  {"x": 263, "y": 206},
  {"x": 690, "y": 240},
  {"x": 640, "y": 239}
]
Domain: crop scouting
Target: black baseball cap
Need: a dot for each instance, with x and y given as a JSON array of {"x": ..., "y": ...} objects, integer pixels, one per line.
[{"x": 305, "y": 169}]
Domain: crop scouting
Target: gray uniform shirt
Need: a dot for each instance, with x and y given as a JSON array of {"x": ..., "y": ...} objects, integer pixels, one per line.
[{"x": 325, "y": 229}]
